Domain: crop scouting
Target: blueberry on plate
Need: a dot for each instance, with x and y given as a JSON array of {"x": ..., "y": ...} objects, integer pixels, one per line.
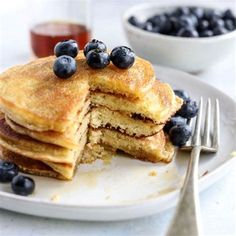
[
  {"x": 189, "y": 109},
  {"x": 182, "y": 94},
  {"x": 175, "y": 120},
  {"x": 66, "y": 47},
  {"x": 219, "y": 30},
  {"x": 229, "y": 25},
  {"x": 94, "y": 44},
  {"x": 64, "y": 67},
  {"x": 122, "y": 57},
  {"x": 206, "y": 33},
  {"x": 8, "y": 171},
  {"x": 97, "y": 59},
  {"x": 187, "y": 32},
  {"x": 22, "y": 185},
  {"x": 180, "y": 134}
]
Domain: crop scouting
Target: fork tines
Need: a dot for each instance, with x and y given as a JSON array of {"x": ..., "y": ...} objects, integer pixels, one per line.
[{"x": 209, "y": 138}]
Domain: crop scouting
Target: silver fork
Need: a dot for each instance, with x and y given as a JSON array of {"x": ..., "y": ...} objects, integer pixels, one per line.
[{"x": 186, "y": 220}]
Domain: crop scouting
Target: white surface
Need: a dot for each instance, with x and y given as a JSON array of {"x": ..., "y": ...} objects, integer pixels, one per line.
[
  {"x": 98, "y": 192},
  {"x": 217, "y": 203},
  {"x": 188, "y": 54}
]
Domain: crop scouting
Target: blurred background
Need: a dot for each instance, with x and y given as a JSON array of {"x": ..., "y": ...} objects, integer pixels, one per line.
[{"x": 101, "y": 19}]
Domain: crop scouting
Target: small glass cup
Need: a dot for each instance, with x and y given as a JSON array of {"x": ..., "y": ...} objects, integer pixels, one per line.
[{"x": 53, "y": 21}]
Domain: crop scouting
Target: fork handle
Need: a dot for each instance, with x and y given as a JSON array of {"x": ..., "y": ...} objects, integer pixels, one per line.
[{"x": 186, "y": 219}]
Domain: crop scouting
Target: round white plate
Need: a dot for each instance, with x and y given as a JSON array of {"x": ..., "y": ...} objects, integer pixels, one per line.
[{"x": 127, "y": 188}]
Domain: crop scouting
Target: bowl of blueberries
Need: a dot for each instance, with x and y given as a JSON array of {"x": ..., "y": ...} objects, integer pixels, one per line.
[{"x": 190, "y": 38}]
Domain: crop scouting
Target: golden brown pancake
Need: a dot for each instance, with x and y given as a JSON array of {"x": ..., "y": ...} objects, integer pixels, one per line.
[
  {"x": 104, "y": 117},
  {"x": 68, "y": 139},
  {"x": 154, "y": 148},
  {"x": 45, "y": 121},
  {"x": 29, "y": 165},
  {"x": 32, "y": 95},
  {"x": 158, "y": 105}
]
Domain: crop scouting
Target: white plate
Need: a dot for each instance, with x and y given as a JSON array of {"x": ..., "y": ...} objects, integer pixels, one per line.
[{"x": 126, "y": 188}]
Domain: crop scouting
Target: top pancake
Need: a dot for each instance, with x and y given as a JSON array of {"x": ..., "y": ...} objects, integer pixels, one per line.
[{"x": 32, "y": 96}]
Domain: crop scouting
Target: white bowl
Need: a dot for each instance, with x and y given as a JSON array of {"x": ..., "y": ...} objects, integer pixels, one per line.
[{"x": 189, "y": 54}]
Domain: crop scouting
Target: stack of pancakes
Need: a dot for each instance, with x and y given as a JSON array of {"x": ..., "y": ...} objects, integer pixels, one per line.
[{"x": 49, "y": 125}]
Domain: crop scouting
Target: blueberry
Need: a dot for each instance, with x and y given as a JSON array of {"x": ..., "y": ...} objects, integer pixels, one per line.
[
  {"x": 180, "y": 134},
  {"x": 22, "y": 185},
  {"x": 217, "y": 23},
  {"x": 219, "y": 31},
  {"x": 203, "y": 25},
  {"x": 158, "y": 20},
  {"x": 210, "y": 14},
  {"x": 167, "y": 27},
  {"x": 67, "y": 47},
  {"x": 198, "y": 12},
  {"x": 187, "y": 32},
  {"x": 228, "y": 14},
  {"x": 122, "y": 57},
  {"x": 182, "y": 11},
  {"x": 189, "y": 109},
  {"x": 156, "y": 29},
  {"x": 186, "y": 21},
  {"x": 176, "y": 120},
  {"x": 8, "y": 170},
  {"x": 134, "y": 21},
  {"x": 94, "y": 44},
  {"x": 64, "y": 67},
  {"x": 194, "y": 19},
  {"x": 206, "y": 33},
  {"x": 229, "y": 25},
  {"x": 175, "y": 23},
  {"x": 97, "y": 59},
  {"x": 148, "y": 26},
  {"x": 182, "y": 94}
]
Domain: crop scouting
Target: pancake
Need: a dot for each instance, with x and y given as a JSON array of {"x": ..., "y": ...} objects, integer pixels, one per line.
[
  {"x": 49, "y": 125},
  {"x": 154, "y": 148},
  {"x": 119, "y": 81},
  {"x": 32, "y": 96},
  {"x": 103, "y": 117},
  {"x": 94, "y": 151},
  {"x": 34, "y": 149},
  {"x": 48, "y": 169},
  {"x": 158, "y": 105},
  {"x": 68, "y": 139},
  {"x": 30, "y": 166}
]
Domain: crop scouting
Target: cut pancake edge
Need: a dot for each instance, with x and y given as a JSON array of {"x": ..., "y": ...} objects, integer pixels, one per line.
[
  {"x": 52, "y": 137},
  {"x": 32, "y": 148},
  {"x": 28, "y": 165},
  {"x": 155, "y": 148},
  {"x": 45, "y": 168}
]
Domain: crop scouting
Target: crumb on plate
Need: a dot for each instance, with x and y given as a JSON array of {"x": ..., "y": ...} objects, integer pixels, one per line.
[{"x": 152, "y": 173}]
